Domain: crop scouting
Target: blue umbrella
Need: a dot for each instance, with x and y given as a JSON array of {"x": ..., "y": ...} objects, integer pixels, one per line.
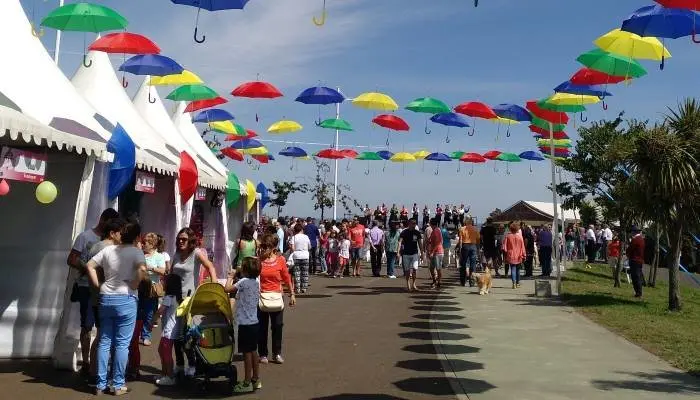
[
  {"x": 210, "y": 5},
  {"x": 385, "y": 154},
  {"x": 531, "y": 155},
  {"x": 320, "y": 95},
  {"x": 441, "y": 157},
  {"x": 264, "y": 195},
  {"x": 246, "y": 144},
  {"x": 449, "y": 119},
  {"x": 271, "y": 157},
  {"x": 296, "y": 152},
  {"x": 121, "y": 170},
  {"x": 586, "y": 90},
  {"x": 662, "y": 22},
  {"x": 213, "y": 115},
  {"x": 512, "y": 111},
  {"x": 151, "y": 64}
]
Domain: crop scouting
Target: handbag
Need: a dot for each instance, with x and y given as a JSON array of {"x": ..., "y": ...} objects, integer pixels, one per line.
[
  {"x": 74, "y": 298},
  {"x": 271, "y": 302},
  {"x": 157, "y": 290}
]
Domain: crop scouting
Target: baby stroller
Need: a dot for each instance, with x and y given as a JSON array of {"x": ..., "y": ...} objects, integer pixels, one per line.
[{"x": 209, "y": 333}]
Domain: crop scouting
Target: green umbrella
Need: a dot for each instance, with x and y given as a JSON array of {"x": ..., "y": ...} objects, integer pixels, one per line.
[
  {"x": 558, "y": 143},
  {"x": 612, "y": 64},
  {"x": 539, "y": 122},
  {"x": 560, "y": 108},
  {"x": 509, "y": 157},
  {"x": 192, "y": 93},
  {"x": 233, "y": 190},
  {"x": 369, "y": 156},
  {"x": 84, "y": 17},
  {"x": 336, "y": 123},
  {"x": 456, "y": 155},
  {"x": 427, "y": 105}
]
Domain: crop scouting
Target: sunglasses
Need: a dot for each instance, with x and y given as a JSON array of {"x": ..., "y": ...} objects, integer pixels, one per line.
[{"x": 180, "y": 239}]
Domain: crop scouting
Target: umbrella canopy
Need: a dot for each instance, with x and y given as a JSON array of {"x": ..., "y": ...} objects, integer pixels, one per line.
[
  {"x": 294, "y": 152},
  {"x": 84, "y": 17},
  {"x": 512, "y": 111},
  {"x": 214, "y": 5},
  {"x": 349, "y": 153},
  {"x": 658, "y": 21},
  {"x": 631, "y": 45},
  {"x": 560, "y": 107},
  {"x": 392, "y": 122},
  {"x": 531, "y": 155},
  {"x": 233, "y": 190},
  {"x": 192, "y": 93},
  {"x": 403, "y": 157},
  {"x": 320, "y": 95},
  {"x": 508, "y": 157},
  {"x": 202, "y": 104},
  {"x": 183, "y": 78},
  {"x": 330, "y": 154},
  {"x": 285, "y": 126},
  {"x": 375, "y": 101},
  {"x": 255, "y": 151},
  {"x": 151, "y": 64},
  {"x": 247, "y": 144},
  {"x": 492, "y": 155},
  {"x": 450, "y": 119},
  {"x": 257, "y": 90},
  {"x": 612, "y": 64},
  {"x": 263, "y": 158},
  {"x": 442, "y": 157},
  {"x": 233, "y": 137},
  {"x": 427, "y": 105},
  {"x": 476, "y": 109},
  {"x": 336, "y": 123},
  {"x": 539, "y": 131},
  {"x": 125, "y": 43},
  {"x": 369, "y": 156},
  {"x": 572, "y": 99},
  {"x": 456, "y": 155},
  {"x": 586, "y": 90},
  {"x": 561, "y": 143},
  {"x": 587, "y": 76},
  {"x": 473, "y": 158},
  {"x": 213, "y": 115},
  {"x": 232, "y": 153},
  {"x": 687, "y": 4},
  {"x": 420, "y": 155},
  {"x": 541, "y": 123},
  {"x": 385, "y": 154},
  {"x": 547, "y": 115},
  {"x": 228, "y": 127}
]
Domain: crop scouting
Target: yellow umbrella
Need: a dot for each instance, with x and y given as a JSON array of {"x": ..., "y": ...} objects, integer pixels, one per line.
[
  {"x": 256, "y": 151},
  {"x": 568, "y": 99},
  {"x": 403, "y": 157},
  {"x": 184, "y": 78},
  {"x": 420, "y": 155},
  {"x": 375, "y": 101},
  {"x": 505, "y": 121},
  {"x": 228, "y": 127},
  {"x": 251, "y": 194},
  {"x": 632, "y": 45},
  {"x": 285, "y": 126}
]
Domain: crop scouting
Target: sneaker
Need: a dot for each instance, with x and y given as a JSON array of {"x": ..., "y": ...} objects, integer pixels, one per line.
[
  {"x": 243, "y": 387},
  {"x": 514, "y": 286},
  {"x": 257, "y": 384},
  {"x": 166, "y": 381},
  {"x": 121, "y": 391},
  {"x": 517, "y": 285},
  {"x": 277, "y": 359},
  {"x": 146, "y": 342},
  {"x": 392, "y": 276},
  {"x": 264, "y": 360},
  {"x": 190, "y": 371}
]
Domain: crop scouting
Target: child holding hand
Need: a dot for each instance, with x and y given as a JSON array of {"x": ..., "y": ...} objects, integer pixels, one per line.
[{"x": 167, "y": 312}]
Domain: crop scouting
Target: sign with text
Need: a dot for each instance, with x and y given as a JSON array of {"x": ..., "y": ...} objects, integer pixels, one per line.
[
  {"x": 22, "y": 165},
  {"x": 145, "y": 182},
  {"x": 201, "y": 194}
]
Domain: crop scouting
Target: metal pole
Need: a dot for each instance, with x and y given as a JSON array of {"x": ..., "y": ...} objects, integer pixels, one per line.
[
  {"x": 555, "y": 205},
  {"x": 56, "y": 49},
  {"x": 335, "y": 180}
]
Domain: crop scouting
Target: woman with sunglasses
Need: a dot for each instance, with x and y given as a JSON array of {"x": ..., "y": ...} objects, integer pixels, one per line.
[{"x": 186, "y": 263}]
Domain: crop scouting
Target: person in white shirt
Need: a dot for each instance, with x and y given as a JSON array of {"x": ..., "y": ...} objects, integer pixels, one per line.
[
  {"x": 607, "y": 237},
  {"x": 300, "y": 255},
  {"x": 590, "y": 245},
  {"x": 168, "y": 314},
  {"x": 343, "y": 255}
]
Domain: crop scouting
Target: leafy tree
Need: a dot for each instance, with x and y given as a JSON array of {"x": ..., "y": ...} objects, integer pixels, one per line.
[
  {"x": 495, "y": 213},
  {"x": 321, "y": 189},
  {"x": 281, "y": 192}
]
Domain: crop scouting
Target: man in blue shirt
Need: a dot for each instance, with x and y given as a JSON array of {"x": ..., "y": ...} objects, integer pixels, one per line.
[
  {"x": 544, "y": 240},
  {"x": 311, "y": 230}
]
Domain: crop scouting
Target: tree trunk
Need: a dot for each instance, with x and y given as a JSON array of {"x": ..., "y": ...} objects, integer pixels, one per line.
[
  {"x": 655, "y": 263},
  {"x": 674, "y": 295},
  {"x": 322, "y": 213},
  {"x": 279, "y": 211}
]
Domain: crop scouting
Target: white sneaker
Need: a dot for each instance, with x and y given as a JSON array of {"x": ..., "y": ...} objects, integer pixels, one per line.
[
  {"x": 165, "y": 381},
  {"x": 392, "y": 276},
  {"x": 190, "y": 371}
]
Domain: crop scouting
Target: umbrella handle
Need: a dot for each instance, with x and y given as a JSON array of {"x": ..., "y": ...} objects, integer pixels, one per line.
[
  {"x": 471, "y": 172},
  {"x": 150, "y": 99},
  {"x": 196, "y": 39},
  {"x": 347, "y": 167},
  {"x": 472, "y": 132},
  {"x": 437, "y": 172},
  {"x": 367, "y": 171},
  {"x": 125, "y": 83},
  {"x": 605, "y": 106},
  {"x": 37, "y": 34},
  {"x": 508, "y": 132},
  {"x": 694, "y": 37},
  {"x": 583, "y": 118},
  {"x": 427, "y": 130},
  {"x": 530, "y": 168},
  {"x": 321, "y": 21},
  {"x": 249, "y": 161},
  {"x": 387, "y": 140},
  {"x": 85, "y": 63},
  {"x": 663, "y": 62},
  {"x": 447, "y": 138}
]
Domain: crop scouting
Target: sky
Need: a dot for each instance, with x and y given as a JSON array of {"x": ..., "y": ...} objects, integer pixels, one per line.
[{"x": 504, "y": 51}]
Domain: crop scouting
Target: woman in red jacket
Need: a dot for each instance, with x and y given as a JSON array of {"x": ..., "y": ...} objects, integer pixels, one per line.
[{"x": 514, "y": 249}]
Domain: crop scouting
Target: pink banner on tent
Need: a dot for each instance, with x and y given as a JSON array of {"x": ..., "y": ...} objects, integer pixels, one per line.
[
  {"x": 22, "y": 165},
  {"x": 145, "y": 182},
  {"x": 200, "y": 194}
]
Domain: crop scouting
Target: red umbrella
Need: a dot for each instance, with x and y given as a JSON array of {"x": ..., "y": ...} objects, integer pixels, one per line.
[
  {"x": 331, "y": 154},
  {"x": 187, "y": 176},
  {"x": 262, "y": 158},
  {"x": 492, "y": 155},
  {"x": 257, "y": 90},
  {"x": 202, "y": 104},
  {"x": 545, "y": 133},
  {"x": 587, "y": 76},
  {"x": 348, "y": 153},
  {"x": 250, "y": 134},
  {"x": 689, "y": 4},
  {"x": 547, "y": 115},
  {"x": 125, "y": 43},
  {"x": 391, "y": 122},
  {"x": 473, "y": 158},
  {"x": 475, "y": 109},
  {"x": 232, "y": 153}
]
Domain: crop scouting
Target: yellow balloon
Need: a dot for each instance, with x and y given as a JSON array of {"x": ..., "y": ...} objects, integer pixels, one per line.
[{"x": 46, "y": 192}]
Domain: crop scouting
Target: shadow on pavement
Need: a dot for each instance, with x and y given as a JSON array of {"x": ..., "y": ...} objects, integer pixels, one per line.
[
  {"x": 434, "y": 365},
  {"x": 427, "y": 335},
  {"x": 437, "y": 325},
  {"x": 42, "y": 372},
  {"x": 439, "y": 317},
  {"x": 360, "y": 293},
  {"x": 436, "y": 308},
  {"x": 442, "y": 386},
  {"x": 437, "y": 303},
  {"x": 428, "y": 348},
  {"x": 345, "y": 287},
  {"x": 355, "y": 396},
  {"x": 661, "y": 382},
  {"x": 314, "y": 296},
  {"x": 431, "y": 297}
]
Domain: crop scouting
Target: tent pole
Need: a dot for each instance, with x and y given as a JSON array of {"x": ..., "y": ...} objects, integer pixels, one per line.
[
  {"x": 335, "y": 180},
  {"x": 555, "y": 223},
  {"x": 57, "y": 48}
]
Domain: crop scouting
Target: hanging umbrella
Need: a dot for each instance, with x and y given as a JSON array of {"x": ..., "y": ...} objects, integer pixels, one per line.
[
  {"x": 183, "y": 78},
  {"x": 531, "y": 155},
  {"x": 151, "y": 64},
  {"x": 227, "y": 127},
  {"x": 368, "y": 156},
  {"x": 375, "y": 101},
  {"x": 449, "y": 119},
  {"x": 210, "y": 5},
  {"x": 125, "y": 43},
  {"x": 560, "y": 143},
  {"x": 661, "y": 22},
  {"x": 631, "y": 45},
  {"x": 587, "y": 76},
  {"x": 263, "y": 158},
  {"x": 572, "y": 99},
  {"x": 255, "y": 151},
  {"x": 320, "y": 95},
  {"x": 472, "y": 158},
  {"x": 403, "y": 157},
  {"x": 202, "y": 104},
  {"x": 508, "y": 158},
  {"x": 349, "y": 153},
  {"x": 586, "y": 90},
  {"x": 543, "y": 124},
  {"x": 213, "y": 115},
  {"x": 438, "y": 157},
  {"x": 294, "y": 152},
  {"x": 475, "y": 110},
  {"x": 544, "y": 133},
  {"x": 570, "y": 94},
  {"x": 456, "y": 155},
  {"x": 420, "y": 155},
  {"x": 427, "y": 105},
  {"x": 330, "y": 154},
  {"x": 512, "y": 111},
  {"x": 257, "y": 90},
  {"x": 560, "y": 107},
  {"x": 247, "y": 144},
  {"x": 192, "y": 93},
  {"x": 232, "y": 153},
  {"x": 547, "y": 115},
  {"x": 285, "y": 126},
  {"x": 391, "y": 122},
  {"x": 385, "y": 154},
  {"x": 492, "y": 154},
  {"x": 234, "y": 137},
  {"x": 336, "y": 124},
  {"x": 612, "y": 64}
]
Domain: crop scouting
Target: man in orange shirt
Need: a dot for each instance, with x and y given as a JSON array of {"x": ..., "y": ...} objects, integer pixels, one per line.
[
  {"x": 357, "y": 241},
  {"x": 467, "y": 244}
]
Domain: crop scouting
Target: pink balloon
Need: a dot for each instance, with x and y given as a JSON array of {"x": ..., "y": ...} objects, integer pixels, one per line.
[{"x": 4, "y": 187}]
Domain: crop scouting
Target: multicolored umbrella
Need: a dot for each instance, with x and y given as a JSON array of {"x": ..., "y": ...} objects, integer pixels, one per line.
[
  {"x": 586, "y": 90},
  {"x": 192, "y": 93},
  {"x": 202, "y": 104},
  {"x": 285, "y": 126},
  {"x": 375, "y": 101},
  {"x": 631, "y": 45},
  {"x": 449, "y": 119},
  {"x": 232, "y": 153},
  {"x": 228, "y": 127},
  {"x": 572, "y": 99},
  {"x": 213, "y": 115},
  {"x": 475, "y": 110},
  {"x": 559, "y": 143},
  {"x": 587, "y": 76},
  {"x": 560, "y": 107},
  {"x": 235, "y": 137},
  {"x": 183, "y": 78},
  {"x": 420, "y": 155},
  {"x": 547, "y": 115},
  {"x": 544, "y": 133},
  {"x": 391, "y": 122},
  {"x": 336, "y": 124},
  {"x": 210, "y": 5}
]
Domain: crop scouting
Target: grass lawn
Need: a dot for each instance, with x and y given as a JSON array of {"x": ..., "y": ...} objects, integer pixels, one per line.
[{"x": 674, "y": 337}]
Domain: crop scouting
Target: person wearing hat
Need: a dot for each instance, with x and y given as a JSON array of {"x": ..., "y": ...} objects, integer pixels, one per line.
[{"x": 635, "y": 255}]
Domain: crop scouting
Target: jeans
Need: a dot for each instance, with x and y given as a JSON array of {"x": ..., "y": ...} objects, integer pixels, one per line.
[
  {"x": 322, "y": 259},
  {"x": 117, "y": 320},
  {"x": 515, "y": 273},
  {"x": 637, "y": 277},
  {"x": 147, "y": 308},
  {"x": 267, "y": 320},
  {"x": 391, "y": 257},
  {"x": 467, "y": 252},
  {"x": 376, "y": 256},
  {"x": 590, "y": 250},
  {"x": 546, "y": 260},
  {"x": 312, "y": 260}
]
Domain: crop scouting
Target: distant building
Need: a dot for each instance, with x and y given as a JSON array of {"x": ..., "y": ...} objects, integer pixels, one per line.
[{"x": 534, "y": 213}]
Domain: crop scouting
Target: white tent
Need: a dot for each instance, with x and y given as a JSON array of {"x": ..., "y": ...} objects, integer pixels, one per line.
[
  {"x": 101, "y": 87},
  {"x": 183, "y": 122}
]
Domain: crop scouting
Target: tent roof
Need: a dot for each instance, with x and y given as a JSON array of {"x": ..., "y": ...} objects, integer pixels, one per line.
[
  {"x": 183, "y": 122},
  {"x": 101, "y": 87},
  {"x": 534, "y": 211},
  {"x": 548, "y": 209},
  {"x": 156, "y": 115},
  {"x": 32, "y": 84}
]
